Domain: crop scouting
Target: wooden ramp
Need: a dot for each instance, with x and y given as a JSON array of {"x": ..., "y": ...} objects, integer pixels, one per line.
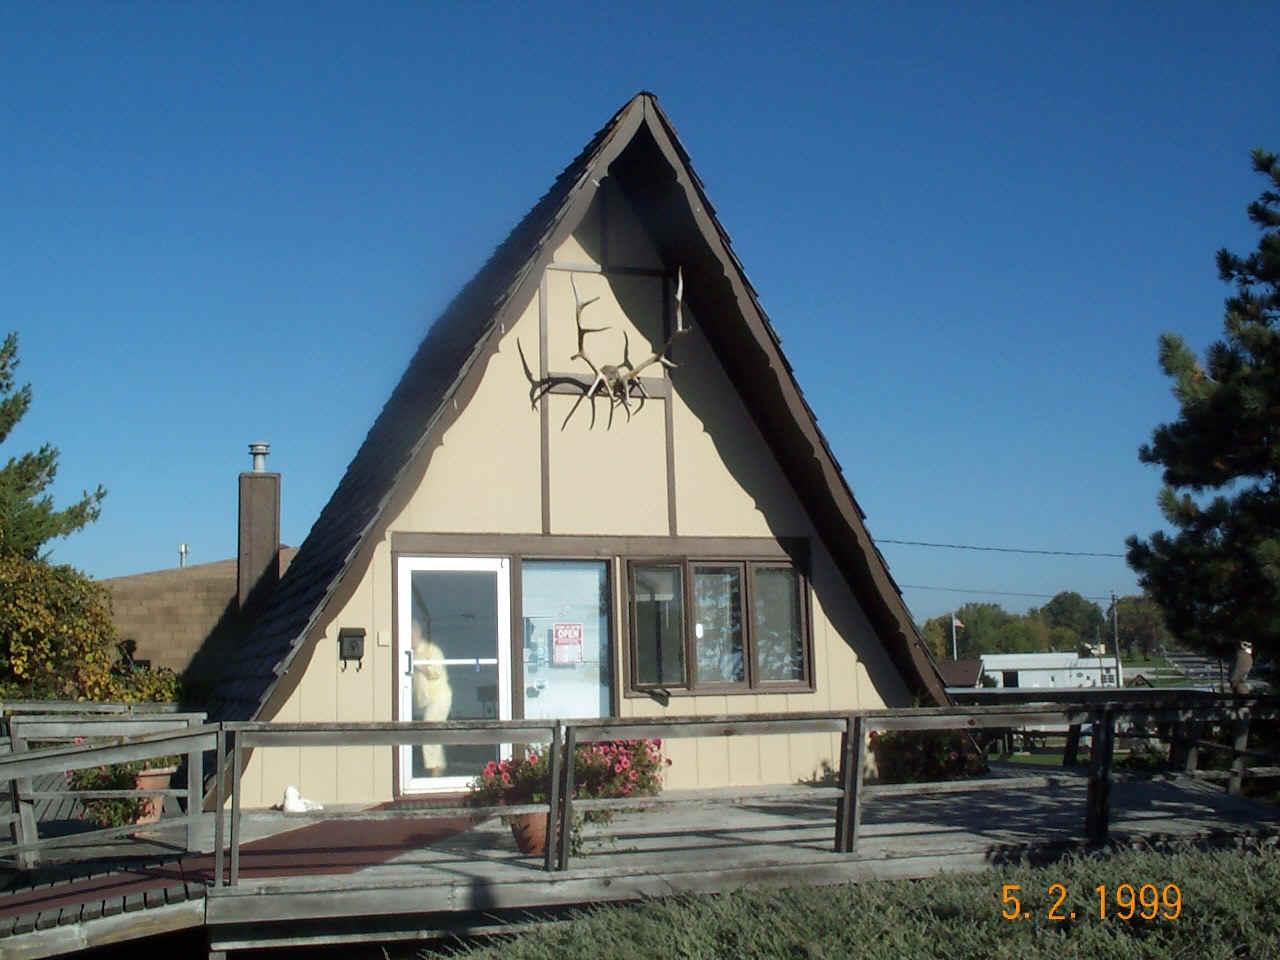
[{"x": 363, "y": 881}]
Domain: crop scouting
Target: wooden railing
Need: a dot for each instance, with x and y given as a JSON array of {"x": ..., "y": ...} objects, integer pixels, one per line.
[
  {"x": 98, "y": 734},
  {"x": 1173, "y": 713},
  {"x": 1177, "y": 717},
  {"x": 1193, "y": 711}
]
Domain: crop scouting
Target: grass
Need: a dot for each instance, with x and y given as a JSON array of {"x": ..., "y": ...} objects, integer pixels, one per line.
[
  {"x": 1039, "y": 759},
  {"x": 1147, "y": 663},
  {"x": 1228, "y": 911}
]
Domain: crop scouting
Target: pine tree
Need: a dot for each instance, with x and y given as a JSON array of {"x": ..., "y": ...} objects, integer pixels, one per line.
[
  {"x": 28, "y": 519},
  {"x": 1217, "y": 577}
]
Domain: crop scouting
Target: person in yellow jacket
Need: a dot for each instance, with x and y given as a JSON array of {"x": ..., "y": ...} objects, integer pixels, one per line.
[{"x": 432, "y": 694}]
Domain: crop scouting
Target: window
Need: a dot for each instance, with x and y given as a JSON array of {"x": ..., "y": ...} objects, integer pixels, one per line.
[
  {"x": 657, "y": 603},
  {"x": 565, "y": 639},
  {"x": 717, "y": 623},
  {"x": 717, "y": 626}
]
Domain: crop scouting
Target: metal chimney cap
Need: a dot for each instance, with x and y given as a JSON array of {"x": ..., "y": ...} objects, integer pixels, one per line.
[{"x": 259, "y": 450}]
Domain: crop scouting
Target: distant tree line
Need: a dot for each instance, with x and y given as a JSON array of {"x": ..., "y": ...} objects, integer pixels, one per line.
[{"x": 1066, "y": 624}]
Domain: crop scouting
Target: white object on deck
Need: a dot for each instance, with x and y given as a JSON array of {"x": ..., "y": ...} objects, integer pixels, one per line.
[{"x": 295, "y": 802}]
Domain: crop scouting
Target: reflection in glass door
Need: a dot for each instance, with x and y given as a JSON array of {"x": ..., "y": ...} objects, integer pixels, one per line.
[{"x": 453, "y": 629}]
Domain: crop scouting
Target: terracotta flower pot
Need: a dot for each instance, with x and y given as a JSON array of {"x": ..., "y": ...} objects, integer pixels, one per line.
[
  {"x": 158, "y": 779},
  {"x": 530, "y": 831}
]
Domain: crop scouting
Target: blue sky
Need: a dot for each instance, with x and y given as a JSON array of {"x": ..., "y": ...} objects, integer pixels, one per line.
[{"x": 229, "y": 222}]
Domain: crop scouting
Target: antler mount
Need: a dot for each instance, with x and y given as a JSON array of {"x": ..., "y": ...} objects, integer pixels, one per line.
[{"x": 620, "y": 383}]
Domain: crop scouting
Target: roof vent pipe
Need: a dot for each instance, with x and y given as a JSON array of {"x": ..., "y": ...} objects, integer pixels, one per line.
[{"x": 259, "y": 450}]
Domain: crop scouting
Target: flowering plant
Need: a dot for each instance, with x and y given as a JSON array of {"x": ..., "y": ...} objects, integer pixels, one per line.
[
  {"x": 618, "y": 768},
  {"x": 115, "y": 811}
]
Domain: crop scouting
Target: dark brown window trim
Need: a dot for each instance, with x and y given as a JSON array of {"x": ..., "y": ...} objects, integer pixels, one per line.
[
  {"x": 611, "y": 628},
  {"x": 587, "y": 547},
  {"x": 782, "y": 551},
  {"x": 628, "y": 616},
  {"x": 744, "y": 611},
  {"x": 632, "y": 690}
]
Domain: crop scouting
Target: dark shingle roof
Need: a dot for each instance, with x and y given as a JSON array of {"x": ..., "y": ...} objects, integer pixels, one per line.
[
  {"x": 457, "y": 337},
  {"x": 439, "y": 363},
  {"x": 960, "y": 673}
]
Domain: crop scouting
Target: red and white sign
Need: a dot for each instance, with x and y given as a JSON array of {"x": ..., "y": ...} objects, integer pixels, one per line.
[{"x": 566, "y": 643}]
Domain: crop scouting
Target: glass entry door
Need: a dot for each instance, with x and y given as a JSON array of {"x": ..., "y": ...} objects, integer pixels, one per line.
[{"x": 453, "y": 657}]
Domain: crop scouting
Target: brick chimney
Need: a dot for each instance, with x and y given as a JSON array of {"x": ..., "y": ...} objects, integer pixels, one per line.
[{"x": 258, "y": 567}]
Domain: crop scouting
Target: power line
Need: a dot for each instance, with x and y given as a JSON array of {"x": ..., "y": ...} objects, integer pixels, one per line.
[
  {"x": 991, "y": 593},
  {"x": 970, "y": 546}
]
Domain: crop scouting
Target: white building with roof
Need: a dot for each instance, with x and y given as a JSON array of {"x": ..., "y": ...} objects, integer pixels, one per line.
[{"x": 1056, "y": 670}]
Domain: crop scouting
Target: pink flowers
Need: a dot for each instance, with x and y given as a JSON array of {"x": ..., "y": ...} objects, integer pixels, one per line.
[{"x": 601, "y": 769}]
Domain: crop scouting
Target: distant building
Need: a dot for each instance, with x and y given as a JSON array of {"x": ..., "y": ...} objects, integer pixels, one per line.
[
  {"x": 1058, "y": 670},
  {"x": 178, "y": 616},
  {"x": 961, "y": 674},
  {"x": 193, "y": 619}
]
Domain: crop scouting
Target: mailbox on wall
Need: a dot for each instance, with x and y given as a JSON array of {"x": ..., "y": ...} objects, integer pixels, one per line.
[{"x": 351, "y": 646}]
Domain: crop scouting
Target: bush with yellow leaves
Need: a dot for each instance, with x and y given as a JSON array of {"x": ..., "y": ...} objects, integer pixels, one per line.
[{"x": 57, "y": 639}]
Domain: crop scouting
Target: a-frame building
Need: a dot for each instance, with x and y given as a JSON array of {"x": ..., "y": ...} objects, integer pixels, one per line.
[{"x": 639, "y": 540}]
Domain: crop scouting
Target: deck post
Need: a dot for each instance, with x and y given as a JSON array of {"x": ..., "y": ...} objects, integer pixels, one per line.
[
  {"x": 1240, "y": 743},
  {"x": 195, "y": 794},
  {"x": 565, "y": 829},
  {"x": 1098, "y": 812},
  {"x": 853, "y": 753},
  {"x": 26, "y": 830},
  {"x": 1179, "y": 738},
  {"x": 842, "y": 777},
  {"x": 553, "y": 801},
  {"x": 235, "y": 810},
  {"x": 1071, "y": 749},
  {"x": 219, "y": 801},
  {"x": 1191, "y": 759}
]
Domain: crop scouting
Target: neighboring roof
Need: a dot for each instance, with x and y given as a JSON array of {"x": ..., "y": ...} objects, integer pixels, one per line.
[
  {"x": 960, "y": 673},
  {"x": 640, "y": 150},
  {"x": 173, "y": 614},
  {"x": 1030, "y": 661}
]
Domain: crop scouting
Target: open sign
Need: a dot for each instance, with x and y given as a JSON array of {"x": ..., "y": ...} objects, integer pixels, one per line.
[{"x": 566, "y": 644}]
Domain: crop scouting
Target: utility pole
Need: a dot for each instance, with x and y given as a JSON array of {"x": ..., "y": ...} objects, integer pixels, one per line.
[
  {"x": 1115, "y": 635},
  {"x": 953, "y": 636}
]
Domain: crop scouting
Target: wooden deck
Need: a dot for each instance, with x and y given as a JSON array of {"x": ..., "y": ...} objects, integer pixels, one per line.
[{"x": 334, "y": 881}]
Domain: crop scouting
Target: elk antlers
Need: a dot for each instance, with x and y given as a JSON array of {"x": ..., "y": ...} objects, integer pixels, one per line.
[{"x": 619, "y": 382}]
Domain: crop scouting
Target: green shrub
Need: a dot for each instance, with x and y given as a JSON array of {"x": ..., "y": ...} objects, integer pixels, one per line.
[{"x": 915, "y": 756}]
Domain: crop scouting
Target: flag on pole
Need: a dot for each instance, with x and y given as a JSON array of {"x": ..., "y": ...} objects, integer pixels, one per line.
[{"x": 955, "y": 622}]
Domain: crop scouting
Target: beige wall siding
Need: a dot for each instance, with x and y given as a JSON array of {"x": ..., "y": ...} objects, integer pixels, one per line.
[{"x": 485, "y": 478}]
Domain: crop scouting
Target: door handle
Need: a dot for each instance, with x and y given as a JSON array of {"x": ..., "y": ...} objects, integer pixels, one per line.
[{"x": 408, "y": 663}]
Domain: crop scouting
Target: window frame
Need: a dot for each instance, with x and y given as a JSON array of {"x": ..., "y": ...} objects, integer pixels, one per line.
[
  {"x": 632, "y": 658},
  {"x": 616, "y": 683},
  {"x": 751, "y": 684}
]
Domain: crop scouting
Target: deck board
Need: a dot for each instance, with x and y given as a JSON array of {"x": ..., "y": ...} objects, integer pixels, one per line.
[{"x": 393, "y": 871}]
